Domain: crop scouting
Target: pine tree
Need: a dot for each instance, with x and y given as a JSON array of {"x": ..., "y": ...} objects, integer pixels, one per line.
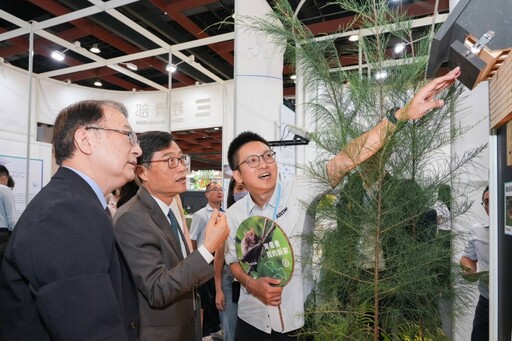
[{"x": 383, "y": 265}]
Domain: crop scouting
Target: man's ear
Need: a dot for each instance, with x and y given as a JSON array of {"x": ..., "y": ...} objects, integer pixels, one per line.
[
  {"x": 82, "y": 141},
  {"x": 236, "y": 175},
  {"x": 141, "y": 173}
]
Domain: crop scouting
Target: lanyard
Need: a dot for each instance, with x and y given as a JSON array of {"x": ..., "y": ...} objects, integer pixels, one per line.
[{"x": 278, "y": 199}]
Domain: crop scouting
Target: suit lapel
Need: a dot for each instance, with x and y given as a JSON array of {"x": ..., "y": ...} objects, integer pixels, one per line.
[{"x": 160, "y": 220}]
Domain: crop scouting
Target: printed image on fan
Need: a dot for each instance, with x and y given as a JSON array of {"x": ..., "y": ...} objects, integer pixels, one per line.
[{"x": 263, "y": 249}]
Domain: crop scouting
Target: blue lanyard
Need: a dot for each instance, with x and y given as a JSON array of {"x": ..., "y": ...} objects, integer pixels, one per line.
[{"x": 278, "y": 199}]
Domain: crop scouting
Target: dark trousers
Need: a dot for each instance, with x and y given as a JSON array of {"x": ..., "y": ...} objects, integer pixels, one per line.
[
  {"x": 211, "y": 319},
  {"x": 481, "y": 321},
  {"x": 246, "y": 332},
  {"x": 5, "y": 234}
]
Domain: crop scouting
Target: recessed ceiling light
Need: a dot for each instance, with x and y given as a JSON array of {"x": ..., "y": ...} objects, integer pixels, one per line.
[
  {"x": 98, "y": 83},
  {"x": 95, "y": 49},
  {"x": 353, "y": 37}
]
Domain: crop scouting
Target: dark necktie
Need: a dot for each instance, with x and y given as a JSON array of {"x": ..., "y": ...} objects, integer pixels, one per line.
[{"x": 174, "y": 226}]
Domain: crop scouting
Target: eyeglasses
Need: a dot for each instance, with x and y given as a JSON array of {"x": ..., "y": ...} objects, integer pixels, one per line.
[
  {"x": 253, "y": 161},
  {"x": 174, "y": 161},
  {"x": 216, "y": 189},
  {"x": 132, "y": 137},
  {"x": 485, "y": 202}
]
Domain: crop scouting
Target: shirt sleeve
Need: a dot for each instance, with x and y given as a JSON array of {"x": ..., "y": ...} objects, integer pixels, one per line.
[
  {"x": 10, "y": 210},
  {"x": 196, "y": 227}
]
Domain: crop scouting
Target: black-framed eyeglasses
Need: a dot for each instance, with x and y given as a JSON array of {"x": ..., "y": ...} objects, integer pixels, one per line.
[
  {"x": 173, "y": 161},
  {"x": 132, "y": 136},
  {"x": 253, "y": 161},
  {"x": 216, "y": 189}
]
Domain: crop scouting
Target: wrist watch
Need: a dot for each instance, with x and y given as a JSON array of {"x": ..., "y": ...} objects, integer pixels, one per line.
[{"x": 390, "y": 115}]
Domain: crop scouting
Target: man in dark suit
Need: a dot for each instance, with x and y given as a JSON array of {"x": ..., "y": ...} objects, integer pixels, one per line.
[
  {"x": 63, "y": 276},
  {"x": 153, "y": 235}
]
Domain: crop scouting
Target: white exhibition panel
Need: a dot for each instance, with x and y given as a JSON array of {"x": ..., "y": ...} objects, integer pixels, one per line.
[{"x": 191, "y": 108}]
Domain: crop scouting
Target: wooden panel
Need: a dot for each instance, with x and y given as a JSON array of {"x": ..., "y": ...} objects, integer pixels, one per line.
[{"x": 500, "y": 95}]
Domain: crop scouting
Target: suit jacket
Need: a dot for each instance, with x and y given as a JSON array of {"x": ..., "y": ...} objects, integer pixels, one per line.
[
  {"x": 166, "y": 280},
  {"x": 63, "y": 276}
]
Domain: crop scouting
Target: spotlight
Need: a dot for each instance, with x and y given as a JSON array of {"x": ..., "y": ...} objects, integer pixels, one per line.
[
  {"x": 353, "y": 37},
  {"x": 171, "y": 68},
  {"x": 293, "y": 77},
  {"x": 57, "y": 55},
  {"x": 381, "y": 75},
  {"x": 98, "y": 83},
  {"x": 131, "y": 66},
  {"x": 95, "y": 49},
  {"x": 399, "y": 48}
]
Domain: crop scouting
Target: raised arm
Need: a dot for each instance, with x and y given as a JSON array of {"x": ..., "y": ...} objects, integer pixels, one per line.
[{"x": 366, "y": 145}]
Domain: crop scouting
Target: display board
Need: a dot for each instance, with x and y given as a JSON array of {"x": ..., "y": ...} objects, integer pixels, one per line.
[{"x": 17, "y": 167}]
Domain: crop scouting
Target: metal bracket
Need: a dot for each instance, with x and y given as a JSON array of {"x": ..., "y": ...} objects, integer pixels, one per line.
[{"x": 480, "y": 44}]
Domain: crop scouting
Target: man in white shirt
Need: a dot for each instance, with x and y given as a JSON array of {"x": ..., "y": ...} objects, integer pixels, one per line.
[
  {"x": 266, "y": 310},
  {"x": 8, "y": 215},
  {"x": 475, "y": 259}
]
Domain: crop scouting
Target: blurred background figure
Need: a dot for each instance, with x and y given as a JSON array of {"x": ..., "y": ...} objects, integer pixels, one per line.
[{"x": 226, "y": 287}]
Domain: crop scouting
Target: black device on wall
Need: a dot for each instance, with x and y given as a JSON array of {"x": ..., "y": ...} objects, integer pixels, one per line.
[{"x": 477, "y": 36}]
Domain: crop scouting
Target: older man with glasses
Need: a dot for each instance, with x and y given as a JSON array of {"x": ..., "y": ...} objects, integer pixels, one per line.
[
  {"x": 63, "y": 276},
  {"x": 153, "y": 235}
]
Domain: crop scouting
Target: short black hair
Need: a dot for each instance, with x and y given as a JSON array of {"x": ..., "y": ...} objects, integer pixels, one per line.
[
  {"x": 151, "y": 142},
  {"x": 238, "y": 142},
  {"x": 10, "y": 182},
  {"x": 73, "y": 117},
  {"x": 4, "y": 171},
  {"x": 485, "y": 191}
]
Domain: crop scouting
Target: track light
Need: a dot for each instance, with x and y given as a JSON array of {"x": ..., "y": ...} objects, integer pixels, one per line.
[
  {"x": 399, "y": 48},
  {"x": 381, "y": 75},
  {"x": 98, "y": 83},
  {"x": 171, "y": 68},
  {"x": 95, "y": 49},
  {"x": 57, "y": 55},
  {"x": 131, "y": 66}
]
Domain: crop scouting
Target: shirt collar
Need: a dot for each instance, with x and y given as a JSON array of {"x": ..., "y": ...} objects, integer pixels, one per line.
[
  {"x": 97, "y": 190},
  {"x": 271, "y": 202},
  {"x": 163, "y": 206}
]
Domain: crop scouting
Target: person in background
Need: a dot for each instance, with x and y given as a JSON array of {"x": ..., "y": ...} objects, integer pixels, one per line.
[
  {"x": 236, "y": 192},
  {"x": 227, "y": 289},
  {"x": 8, "y": 214},
  {"x": 63, "y": 275},
  {"x": 10, "y": 183},
  {"x": 127, "y": 192},
  {"x": 475, "y": 259},
  {"x": 152, "y": 232},
  {"x": 267, "y": 311},
  {"x": 209, "y": 315}
]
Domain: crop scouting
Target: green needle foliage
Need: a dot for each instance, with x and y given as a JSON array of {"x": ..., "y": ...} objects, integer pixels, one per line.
[{"x": 384, "y": 266}]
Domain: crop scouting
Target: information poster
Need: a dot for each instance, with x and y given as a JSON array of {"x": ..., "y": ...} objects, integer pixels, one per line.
[
  {"x": 17, "y": 167},
  {"x": 508, "y": 208},
  {"x": 263, "y": 250}
]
